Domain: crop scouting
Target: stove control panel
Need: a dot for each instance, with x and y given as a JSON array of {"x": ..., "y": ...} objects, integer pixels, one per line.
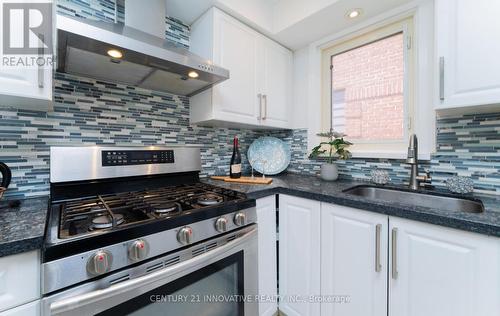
[{"x": 136, "y": 157}]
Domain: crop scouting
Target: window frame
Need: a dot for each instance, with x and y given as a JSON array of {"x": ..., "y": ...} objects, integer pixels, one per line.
[{"x": 347, "y": 43}]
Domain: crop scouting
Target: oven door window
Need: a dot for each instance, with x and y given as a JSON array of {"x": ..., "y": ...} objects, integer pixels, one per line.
[{"x": 214, "y": 290}]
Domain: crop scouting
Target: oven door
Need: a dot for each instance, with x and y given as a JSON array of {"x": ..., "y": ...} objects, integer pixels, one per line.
[{"x": 222, "y": 280}]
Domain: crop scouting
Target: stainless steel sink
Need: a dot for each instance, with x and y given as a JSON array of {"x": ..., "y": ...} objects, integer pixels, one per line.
[{"x": 436, "y": 201}]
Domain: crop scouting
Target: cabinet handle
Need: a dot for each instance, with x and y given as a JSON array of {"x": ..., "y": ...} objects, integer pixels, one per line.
[
  {"x": 378, "y": 266},
  {"x": 260, "y": 106},
  {"x": 40, "y": 69},
  {"x": 441, "y": 78},
  {"x": 394, "y": 253},
  {"x": 265, "y": 106}
]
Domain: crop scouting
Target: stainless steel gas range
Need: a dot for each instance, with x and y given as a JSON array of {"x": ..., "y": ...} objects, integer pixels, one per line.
[{"x": 132, "y": 230}]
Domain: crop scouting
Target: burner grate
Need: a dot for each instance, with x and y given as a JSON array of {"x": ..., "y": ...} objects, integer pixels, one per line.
[{"x": 117, "y": 210}]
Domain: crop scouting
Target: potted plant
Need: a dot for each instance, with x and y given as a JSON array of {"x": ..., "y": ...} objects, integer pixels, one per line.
[{"x": 335, "y": 148}]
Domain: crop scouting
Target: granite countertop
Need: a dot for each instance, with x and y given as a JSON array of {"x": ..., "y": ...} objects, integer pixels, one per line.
[
  {"x": 311, "y": 187},
  {"x": 22, "y": 227}
]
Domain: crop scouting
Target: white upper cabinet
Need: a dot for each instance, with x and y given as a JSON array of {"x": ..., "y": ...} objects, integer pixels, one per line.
[
  {"x": 258, "y": 90},
  {"x": 276, "y": 83},
  {"x": 467, "y": 53},
  {"x": 437, "y": 271},
  {"x": 353, "y": 261},
  {"x": 25, "y": 86}
]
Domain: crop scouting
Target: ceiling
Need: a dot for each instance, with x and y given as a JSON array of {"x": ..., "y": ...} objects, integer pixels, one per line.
[{"x": 293, "y": 23}]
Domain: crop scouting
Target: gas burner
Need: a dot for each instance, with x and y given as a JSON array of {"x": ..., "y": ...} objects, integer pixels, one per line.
[
  {"x": 105, "y": 221},
  {"x": 167, "y": 209},
  {"x": 209, "y": 199}
]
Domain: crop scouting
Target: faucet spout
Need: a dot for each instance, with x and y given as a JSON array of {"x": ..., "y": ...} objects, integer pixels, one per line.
[
  {"x": 412, "y": 160},
  {"x": 412, "y": 157}
]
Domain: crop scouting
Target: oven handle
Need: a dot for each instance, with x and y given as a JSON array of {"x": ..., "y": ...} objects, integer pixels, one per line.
[{"x": 72, "y": 303}]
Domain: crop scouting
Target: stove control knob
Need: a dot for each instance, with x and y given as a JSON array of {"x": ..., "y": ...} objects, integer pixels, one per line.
[
  {"x": 185, "y": 235},
  {"x": 138, "y": 250},
  {"x": 221, "y": 225},
  {"x": 240, "y": 219},
  {"x": 99, "y": 263}
]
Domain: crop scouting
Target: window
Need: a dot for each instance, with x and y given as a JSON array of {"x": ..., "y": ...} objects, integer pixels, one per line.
[{"x": 367, "y": 91}]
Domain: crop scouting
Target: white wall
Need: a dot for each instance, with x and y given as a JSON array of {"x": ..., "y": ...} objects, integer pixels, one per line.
[
  {"x": 256, "y": 13},
  {"x": 289, "y": 12},
  {"x": 307, "y": 76},
  {"x": 300, "y": 88}
]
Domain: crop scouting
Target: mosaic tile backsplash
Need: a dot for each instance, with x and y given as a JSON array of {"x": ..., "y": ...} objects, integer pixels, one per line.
[
  {"x": 89, "y": 112},
  {"x": 467, "y": 145}
]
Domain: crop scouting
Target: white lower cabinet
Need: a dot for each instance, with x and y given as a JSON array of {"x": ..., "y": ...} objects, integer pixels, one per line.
[
  {"x": 19, "y": 279},
  {"x": 353, "y": 261},
  {"x": 268, "y": 276},
  {"x": 442, "y": 271},
  {"x": 385, "y": 265},
  {"x": 30, "y": 309},
  {"x": 299, "y": 255}
]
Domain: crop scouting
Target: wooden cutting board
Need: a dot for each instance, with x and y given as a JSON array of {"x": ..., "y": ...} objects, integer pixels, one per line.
[{"x": 246, "y": 180}]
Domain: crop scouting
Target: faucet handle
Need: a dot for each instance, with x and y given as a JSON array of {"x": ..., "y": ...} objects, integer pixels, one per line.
[
  {"x": 428, "y": 174},
  {"x": 425, "y": 180}
]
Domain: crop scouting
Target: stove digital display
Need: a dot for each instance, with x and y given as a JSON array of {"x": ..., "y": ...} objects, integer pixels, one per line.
[{"x": 136, "y": 157}]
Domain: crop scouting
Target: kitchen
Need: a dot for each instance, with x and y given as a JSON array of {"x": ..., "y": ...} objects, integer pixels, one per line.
[{"x": 223, "y": 157}]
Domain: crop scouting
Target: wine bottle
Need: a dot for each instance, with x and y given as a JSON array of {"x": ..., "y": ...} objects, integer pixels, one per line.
[{"x": 235, "y": 167}]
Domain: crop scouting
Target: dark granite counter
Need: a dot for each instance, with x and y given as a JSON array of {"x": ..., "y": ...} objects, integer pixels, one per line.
[
  {"x": 22, "y": 227},
  {"x": 311, "y": 187}
]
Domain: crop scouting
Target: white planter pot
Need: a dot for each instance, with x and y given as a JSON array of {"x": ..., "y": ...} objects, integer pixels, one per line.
[{"x": 329, "y": 172}]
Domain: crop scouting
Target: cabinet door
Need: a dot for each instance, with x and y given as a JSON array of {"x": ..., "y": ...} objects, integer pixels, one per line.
[
  {"x": 268, "y": 264},
  {"x": 437, "y": 271},
  {"x": 235, "y": 48},
  {"x": 299, "y": 255},
  {"x": 468, "y": 50},
  {"x": 277, "y": 79},
  {"x": 353, "y": 261},
  {"x": 19, "y": 279},
  {"x": 30, "y": 309},
  {"x": 24, "y": 86}
]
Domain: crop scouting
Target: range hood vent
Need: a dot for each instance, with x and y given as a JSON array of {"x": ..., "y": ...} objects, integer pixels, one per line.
[{"x": 147, "y": 61}]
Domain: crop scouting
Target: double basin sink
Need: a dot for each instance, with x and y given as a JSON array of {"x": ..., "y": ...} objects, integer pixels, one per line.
[{"x": 418, "y": 198}]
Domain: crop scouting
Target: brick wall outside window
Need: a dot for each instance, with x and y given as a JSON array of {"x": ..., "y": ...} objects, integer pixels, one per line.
[{"x": 368, "y": 100}]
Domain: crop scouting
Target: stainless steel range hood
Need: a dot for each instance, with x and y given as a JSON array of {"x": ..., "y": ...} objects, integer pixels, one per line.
[{"x": 148, "y": 61}]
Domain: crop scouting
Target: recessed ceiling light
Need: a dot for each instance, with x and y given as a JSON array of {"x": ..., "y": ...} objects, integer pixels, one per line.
[
  {"x": 193, "y": 74},
  {"x": 115, "y": 53},
  {"x": 354, "y": 13}
]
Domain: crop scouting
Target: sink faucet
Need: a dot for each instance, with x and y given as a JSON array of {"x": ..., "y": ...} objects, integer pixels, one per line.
[{"x": 412, "y": 159}]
